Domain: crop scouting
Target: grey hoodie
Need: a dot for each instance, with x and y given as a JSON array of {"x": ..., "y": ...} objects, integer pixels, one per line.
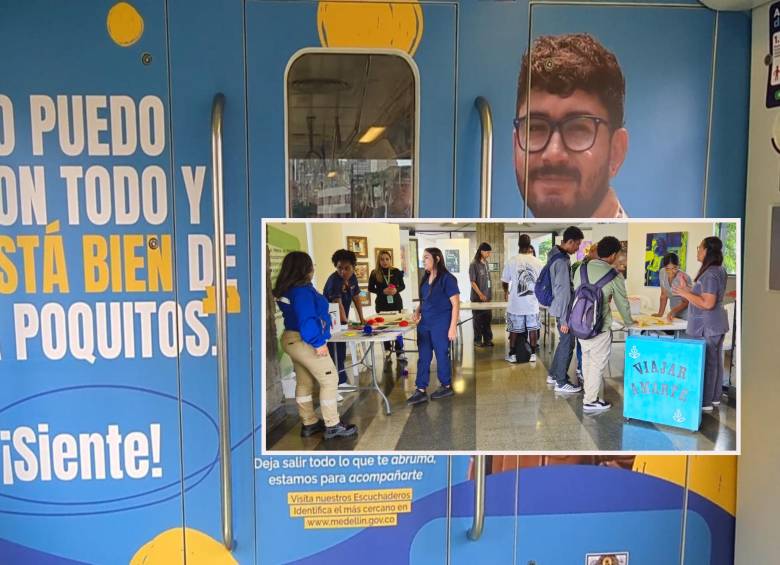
[{"x": 560, "y": 276}]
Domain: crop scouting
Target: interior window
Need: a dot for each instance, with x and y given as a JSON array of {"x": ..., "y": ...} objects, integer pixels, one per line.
[{"x": 351, "y": 136}]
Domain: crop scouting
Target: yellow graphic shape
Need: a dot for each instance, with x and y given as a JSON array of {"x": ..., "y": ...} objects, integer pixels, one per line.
[
  {"x": 370, "y": 24},
  {"x": 712, "y": 476},
  {"x": 125, "y": 25},
  {"x": 168, "y": 547},
  {"x": 53, "y": 227},
  {"x": 233, "y": 301}
]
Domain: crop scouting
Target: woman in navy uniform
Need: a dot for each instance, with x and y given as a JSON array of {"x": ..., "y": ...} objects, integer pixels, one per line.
[
  {"x": 387, "y": 282},
  {"x": 707, "y": 317},
  {"x": 306, "y": 331},
  {"x": 437, "y": 317},
  {"x": 342, "y": 288}
]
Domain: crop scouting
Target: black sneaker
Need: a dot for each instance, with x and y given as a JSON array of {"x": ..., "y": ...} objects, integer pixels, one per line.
[
  {"x": 341, "y": 430},
  {"x": 418, "y": 397},
  {"x": 594, "y": 407},
  {"x": 442, "y": 392},
  {"x": 311, "y": 429}
]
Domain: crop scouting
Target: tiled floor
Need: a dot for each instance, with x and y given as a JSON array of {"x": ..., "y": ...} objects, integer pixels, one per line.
[{"x": 500, "y": 407}]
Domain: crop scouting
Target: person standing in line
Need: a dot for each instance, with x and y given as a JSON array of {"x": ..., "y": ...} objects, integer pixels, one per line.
[
  {"x": 387, "y": 283},
  {"x": 481, "y": 291},
  {"x": 306, "y": 332},
  {"x": 437, "y": 325},
  {"x": 590, "y": 253},
  {"x": 707, "y": 318},
  {"x": 342, "y": 288},
  {"x": 670, "y": 277},
  {"x": 560, "y": 276},
  {"x": 522, "y": 312},
  {"x": 596, "y": 350}
]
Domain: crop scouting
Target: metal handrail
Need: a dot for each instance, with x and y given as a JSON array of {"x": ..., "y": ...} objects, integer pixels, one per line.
[
  {"x": 486, "y": 159},
  {"x": 225, "y": 476},
  {"x": 478, "y": 522}
]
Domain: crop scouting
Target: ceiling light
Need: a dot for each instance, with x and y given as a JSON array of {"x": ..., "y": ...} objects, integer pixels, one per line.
[
  {"x": 371, "y": 134},
  {"x": 332, "y": 174}
]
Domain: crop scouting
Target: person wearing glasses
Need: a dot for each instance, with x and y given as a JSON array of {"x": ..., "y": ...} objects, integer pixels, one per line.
[
  {"x": 670, "y": 278},
  {"x": 570, "y": 140},
  {"x": 707, "y": 317}
]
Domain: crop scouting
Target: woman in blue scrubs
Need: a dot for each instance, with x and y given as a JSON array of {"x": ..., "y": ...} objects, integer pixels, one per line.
[
  {"x": 707, "y": 317},
  {"x": 437, "y": 326}
]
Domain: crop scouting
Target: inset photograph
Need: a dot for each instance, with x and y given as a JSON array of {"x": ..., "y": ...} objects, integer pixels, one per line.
[{"x": 501, "y": 336}]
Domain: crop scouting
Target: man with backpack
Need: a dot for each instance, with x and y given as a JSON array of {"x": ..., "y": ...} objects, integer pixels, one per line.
[
  {"x": 554, "y": 290},
  {"x": 590, "y": 318}
]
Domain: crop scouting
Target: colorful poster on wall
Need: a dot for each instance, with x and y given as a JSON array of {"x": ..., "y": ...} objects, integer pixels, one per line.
[
  {"x": 584, "y": 244},
  {"x": 452, "y": 260},
  {"x": 659, "y": 244},
  {"x": 622, "y": 260}
]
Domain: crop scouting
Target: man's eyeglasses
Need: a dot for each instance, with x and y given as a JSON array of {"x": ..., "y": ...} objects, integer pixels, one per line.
[{"x": 578, "y": 133}]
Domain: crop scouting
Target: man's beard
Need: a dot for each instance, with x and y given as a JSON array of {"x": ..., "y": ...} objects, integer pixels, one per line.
[{"x": 554, "y": 207}]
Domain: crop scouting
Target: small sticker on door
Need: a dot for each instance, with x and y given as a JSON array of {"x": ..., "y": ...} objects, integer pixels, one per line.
[{"x": 607, "y": 558}]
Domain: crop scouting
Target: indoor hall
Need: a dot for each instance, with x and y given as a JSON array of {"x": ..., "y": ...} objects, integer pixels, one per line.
[{"x": 500, "y": 397}]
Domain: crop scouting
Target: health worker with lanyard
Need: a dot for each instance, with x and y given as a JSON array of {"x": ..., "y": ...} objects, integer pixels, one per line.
[
  {"x": 387, "y": 283},
  {"x": 437, "y": 318},
  {"x": 306, "y": 331}
]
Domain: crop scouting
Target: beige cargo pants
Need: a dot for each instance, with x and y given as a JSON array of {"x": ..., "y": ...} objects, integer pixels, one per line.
[{"x": 310, "y": 367}]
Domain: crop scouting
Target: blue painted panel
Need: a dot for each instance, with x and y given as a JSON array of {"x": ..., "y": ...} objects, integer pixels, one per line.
[
  {"x": 207, "y": 57},
  {"x": 667, "y": 99},
  {"x": 663, "y": 380},
  {"x": 728, "y": 148},
  {"x": 64, "y": 48}
]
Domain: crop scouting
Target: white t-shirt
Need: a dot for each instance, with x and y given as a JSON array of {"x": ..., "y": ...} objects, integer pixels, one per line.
[{"x": 521, "y": 273}]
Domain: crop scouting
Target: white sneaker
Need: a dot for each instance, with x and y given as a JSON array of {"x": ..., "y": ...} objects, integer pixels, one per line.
[
  {"x": 716, "y": 402},
  {"x": 706, "y": 408},
  {"x": 579, "y": 374},
  {"x": 568, "y": 388},
  {"x": 402, "y": 356},
  {"x": 550, "y": 380},
  {"x": 511, "y": 358},
  {"x": 346, "y": 387},
  {"x": 533, "y": 358}
]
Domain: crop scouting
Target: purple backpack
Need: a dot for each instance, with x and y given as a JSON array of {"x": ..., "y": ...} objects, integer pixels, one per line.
[{"x": 585, "y": 318}]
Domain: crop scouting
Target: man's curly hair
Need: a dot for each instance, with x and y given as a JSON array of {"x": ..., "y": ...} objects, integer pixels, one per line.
[{"x": 561, "y": 64}]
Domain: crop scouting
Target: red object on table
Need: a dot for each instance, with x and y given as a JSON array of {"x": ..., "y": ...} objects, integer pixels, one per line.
[
  {"x": 379, "y": 320},
  {"x": 403, "y": 323}
]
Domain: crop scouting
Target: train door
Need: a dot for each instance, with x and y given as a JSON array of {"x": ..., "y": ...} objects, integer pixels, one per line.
[
  {"x": 90, "y": 409},
  {"x": 352, "y": 121},
  {"x": 208, "y": 129},
  {"x": 663, "y": 119},
  {"x": 484, "y": 512},
  {"x": 351, "y": 108}
]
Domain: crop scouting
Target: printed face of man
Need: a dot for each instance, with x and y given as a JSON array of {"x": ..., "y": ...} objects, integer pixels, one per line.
[{"x": 563, "y": 182}]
